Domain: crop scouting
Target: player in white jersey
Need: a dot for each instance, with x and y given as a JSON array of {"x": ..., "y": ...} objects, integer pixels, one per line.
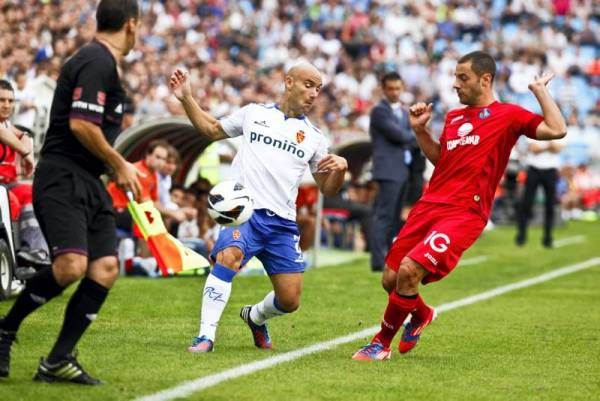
[{"x": 279, "y": 144}]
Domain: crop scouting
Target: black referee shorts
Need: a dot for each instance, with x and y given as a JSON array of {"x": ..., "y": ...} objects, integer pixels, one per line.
[{"x": 74, "y": 210}]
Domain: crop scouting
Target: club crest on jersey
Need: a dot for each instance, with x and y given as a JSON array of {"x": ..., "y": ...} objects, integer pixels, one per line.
[
  {"x": 77, "y": 93},
  {"x": 300, "y": 136},
  {"x": 485, "y": 113},
  {"x": 236, "y": 234}
]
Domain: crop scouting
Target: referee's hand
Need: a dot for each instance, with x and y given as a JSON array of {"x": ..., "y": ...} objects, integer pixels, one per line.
[{"x": 127, "y": 177}]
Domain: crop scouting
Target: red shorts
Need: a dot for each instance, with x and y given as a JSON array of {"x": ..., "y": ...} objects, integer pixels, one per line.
[{"x": 435, "y": 236}]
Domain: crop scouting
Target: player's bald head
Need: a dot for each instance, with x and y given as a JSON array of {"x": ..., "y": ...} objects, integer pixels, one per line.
[
  {"x": 303, "y": 82},
  {"x": 304, "y": 70}
]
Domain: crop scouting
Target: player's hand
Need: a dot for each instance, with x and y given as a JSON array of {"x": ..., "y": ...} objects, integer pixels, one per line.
[
  {"x": 127, "y": 176},
  {"x": 331, "y": 163},
  {"x": 419, "y": 115},
  {"x": 541, "y": 81},
  {"x": 180, "y": 84}
]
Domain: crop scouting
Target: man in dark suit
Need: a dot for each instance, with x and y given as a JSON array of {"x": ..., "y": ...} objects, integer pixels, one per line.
[{"x": 392, "y": 140}]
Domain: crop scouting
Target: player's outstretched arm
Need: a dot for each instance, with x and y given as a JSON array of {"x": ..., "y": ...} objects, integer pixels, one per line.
[
  {"x": 206, "y": 124},
  {"x": 330, "y": 174},
  {"x": 419, "y": 116},
  {"x": 554, "y": 125}
]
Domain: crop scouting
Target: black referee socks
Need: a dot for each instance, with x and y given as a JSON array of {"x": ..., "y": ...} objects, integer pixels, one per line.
[
  {"x": 81, "y": 311},
  {"x": 41, "y": 288}
]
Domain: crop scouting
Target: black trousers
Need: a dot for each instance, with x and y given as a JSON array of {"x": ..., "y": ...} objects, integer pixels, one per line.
[
  {"x": 547, "y": 178},
  {"x": 386, "y": 219}
]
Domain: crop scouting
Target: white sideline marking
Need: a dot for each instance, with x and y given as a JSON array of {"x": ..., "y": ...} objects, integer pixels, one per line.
[
  {"x": 474, "y": 260},
  {"x": 569, "y": 241},
  {"x": 189, "y": 387}
]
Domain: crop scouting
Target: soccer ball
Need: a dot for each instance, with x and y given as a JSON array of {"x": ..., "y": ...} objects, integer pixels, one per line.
[{"x": 230, "y": 203}]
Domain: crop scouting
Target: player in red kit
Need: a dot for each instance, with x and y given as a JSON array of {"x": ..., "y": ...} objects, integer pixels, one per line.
[{"x": 469, "y": 160}]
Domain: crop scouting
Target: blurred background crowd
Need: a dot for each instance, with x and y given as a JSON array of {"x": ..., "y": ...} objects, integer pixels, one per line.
[{"x": 237, "y": 51}]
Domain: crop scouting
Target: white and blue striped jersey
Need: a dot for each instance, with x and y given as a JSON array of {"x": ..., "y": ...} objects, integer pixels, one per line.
[{"x": 274, "y": 155}]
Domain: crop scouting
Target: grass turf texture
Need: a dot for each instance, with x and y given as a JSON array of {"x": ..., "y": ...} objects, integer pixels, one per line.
[{"x": 537, "y": 343}]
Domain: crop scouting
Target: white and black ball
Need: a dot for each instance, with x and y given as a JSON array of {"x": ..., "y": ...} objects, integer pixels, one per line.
[{"x": 230, "y": 203}]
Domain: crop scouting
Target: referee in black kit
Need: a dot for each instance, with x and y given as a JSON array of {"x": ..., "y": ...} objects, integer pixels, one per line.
[{"x": 70, "y": 201}]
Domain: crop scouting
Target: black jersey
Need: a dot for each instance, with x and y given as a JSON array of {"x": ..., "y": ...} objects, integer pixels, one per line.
[{"x": 88, "y": 88}]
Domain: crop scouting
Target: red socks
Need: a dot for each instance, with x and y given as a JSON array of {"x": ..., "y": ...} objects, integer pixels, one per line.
[
  {"x": 421, "y": 311},
  {"x": 397, "y": 309}
]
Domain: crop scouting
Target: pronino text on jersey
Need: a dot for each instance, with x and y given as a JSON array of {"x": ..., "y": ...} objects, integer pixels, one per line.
[{"x": 277, "y": 143}]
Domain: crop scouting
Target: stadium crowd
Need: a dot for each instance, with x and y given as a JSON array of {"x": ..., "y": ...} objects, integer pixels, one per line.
[{"x": 236, "y": 50}]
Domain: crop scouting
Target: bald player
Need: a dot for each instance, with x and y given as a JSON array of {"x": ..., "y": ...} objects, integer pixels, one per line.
[{"x": 279, "y": 144}]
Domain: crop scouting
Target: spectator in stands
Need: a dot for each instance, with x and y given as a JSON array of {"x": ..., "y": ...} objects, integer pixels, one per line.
[
  {"x": 392, "y": 140},
  {"x": 214, "y": 41},
  {"x": 350, "y": 209},
  {"x": 188, "y": 231},
  {"x": 155, "y": 157},
  {"x": 165, "y": 177},
  {"x": 16, "y": 152},
  {"x": 208, "y": 228},
  {"x": 543, "y": 162},
  {"x": 306, "y": 214},
  {"x": 231, "y": 64},
  {"x": 154, "y": 160},
  {"x": 16, "y": 142}
]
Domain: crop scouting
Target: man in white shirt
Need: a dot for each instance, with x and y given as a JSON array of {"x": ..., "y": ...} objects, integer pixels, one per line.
[
  {"x": 279, "y": 144},
  {"x": 543, "y": 161}
]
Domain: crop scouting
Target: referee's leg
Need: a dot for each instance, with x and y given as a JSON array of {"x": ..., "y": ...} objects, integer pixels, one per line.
[{"x": 86, "y": 301}]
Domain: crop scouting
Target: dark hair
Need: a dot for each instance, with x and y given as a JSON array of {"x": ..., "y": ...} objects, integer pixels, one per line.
[
  {"x": 173, "y": 153},
  {"x": 111, "y": 15},
  {"x": 5, "y": 85},
  {"x": 481, "y": 63},
  {"x": 390, "y": 76},
  {"x": 177, "y": 187},
  {"x": 157, "y": 143}
]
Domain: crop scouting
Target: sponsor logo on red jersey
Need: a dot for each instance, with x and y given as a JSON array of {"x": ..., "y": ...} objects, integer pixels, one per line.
[
  {"x": 463, "y": 137},
  {"x": 456, "y": 119},
  {"x": 465, "y": 129}
]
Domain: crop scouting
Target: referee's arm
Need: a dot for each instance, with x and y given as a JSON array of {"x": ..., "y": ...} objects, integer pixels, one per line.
[{"x": 90, "y": 136}]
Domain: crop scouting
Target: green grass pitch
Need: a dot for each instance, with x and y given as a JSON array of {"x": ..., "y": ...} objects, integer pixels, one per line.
[{"x": 537, "y": 343}]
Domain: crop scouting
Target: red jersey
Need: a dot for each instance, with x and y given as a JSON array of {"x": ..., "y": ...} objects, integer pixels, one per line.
[
  {"x": 8, "y": 166},
  {"x": 8, "y": 160},
  {"x": 475, "y": 146}
]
